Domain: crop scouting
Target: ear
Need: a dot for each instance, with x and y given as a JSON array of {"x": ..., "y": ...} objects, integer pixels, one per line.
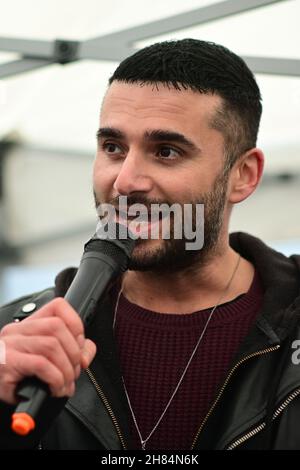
[{"x": 245, "y": 175}]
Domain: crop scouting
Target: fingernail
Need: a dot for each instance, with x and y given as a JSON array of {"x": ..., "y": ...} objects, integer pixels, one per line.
[
  {"x": 85, "y": 359},
  {"x": 77, "y": 371},
  {"x": 62, "y": 392},
  {"x": 71, "y": 389}
]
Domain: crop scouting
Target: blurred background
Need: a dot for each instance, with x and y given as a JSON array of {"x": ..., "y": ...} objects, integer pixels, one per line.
[{"x": 49, "y": 116}]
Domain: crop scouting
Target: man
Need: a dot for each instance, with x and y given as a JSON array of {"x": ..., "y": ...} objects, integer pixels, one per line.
[{"x": 194, "y": 347}]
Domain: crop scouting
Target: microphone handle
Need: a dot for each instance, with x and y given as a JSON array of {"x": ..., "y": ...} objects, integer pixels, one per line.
[
  {"x": 90, "y": 283},
  {"x": 86, "y": 290}
]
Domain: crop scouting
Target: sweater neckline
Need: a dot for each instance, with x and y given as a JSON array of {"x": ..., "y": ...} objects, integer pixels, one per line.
[{"x": 226, "y": 312}]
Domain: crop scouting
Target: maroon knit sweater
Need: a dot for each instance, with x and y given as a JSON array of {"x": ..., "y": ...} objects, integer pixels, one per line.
[{"x": 154, "y": 349}]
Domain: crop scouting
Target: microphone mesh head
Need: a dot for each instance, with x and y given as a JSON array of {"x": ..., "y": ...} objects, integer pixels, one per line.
[{"x": 112, "y": 243}]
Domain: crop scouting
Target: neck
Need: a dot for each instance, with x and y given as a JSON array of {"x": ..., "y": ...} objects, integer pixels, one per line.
[{"x": 190, "y": 290}]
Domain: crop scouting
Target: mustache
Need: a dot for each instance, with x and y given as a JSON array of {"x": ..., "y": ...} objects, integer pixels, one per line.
[{"x": 134, "y": 198}]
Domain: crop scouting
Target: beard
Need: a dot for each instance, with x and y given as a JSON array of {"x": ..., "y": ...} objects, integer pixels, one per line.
[{"x": 171, "y": 255}]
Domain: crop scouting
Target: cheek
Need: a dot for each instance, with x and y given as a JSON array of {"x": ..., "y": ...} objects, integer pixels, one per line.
[{"x": 103, "y": 178}]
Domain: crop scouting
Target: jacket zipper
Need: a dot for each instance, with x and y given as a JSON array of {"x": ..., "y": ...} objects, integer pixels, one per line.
[
  {"x": 259, "y": 428},
  {"x": 107, "y": 406},
  {"x": 257, "y": 353},
  {"x": 236, "y": 443}
]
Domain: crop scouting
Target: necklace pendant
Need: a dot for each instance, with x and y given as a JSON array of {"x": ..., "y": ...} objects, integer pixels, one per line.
[{"x": 143, "y": 445}]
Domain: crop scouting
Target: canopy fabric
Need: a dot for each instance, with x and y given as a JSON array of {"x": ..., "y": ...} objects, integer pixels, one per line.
[{"x": 57, "y": 106}]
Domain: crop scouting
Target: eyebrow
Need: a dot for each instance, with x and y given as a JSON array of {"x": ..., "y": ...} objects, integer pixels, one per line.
[
  {"x": 109, "y": 132},
  {"x": 157, "y": 135},
  {"x": 161, "y": 135}
]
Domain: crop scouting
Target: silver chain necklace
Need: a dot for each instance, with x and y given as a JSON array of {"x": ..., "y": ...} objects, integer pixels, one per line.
[{"x": 144, "y": 441}]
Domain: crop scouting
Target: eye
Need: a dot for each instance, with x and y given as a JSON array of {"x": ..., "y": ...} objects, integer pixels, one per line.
[
  {"x": 168, "y": 153},
  {"x": 111, "y": 148}
]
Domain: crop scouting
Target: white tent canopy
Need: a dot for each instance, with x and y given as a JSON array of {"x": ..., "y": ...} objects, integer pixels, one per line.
[{"x": 57, "y": 106}]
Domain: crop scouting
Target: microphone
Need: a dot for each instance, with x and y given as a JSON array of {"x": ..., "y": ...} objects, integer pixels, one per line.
[{"x": 103, "y": 260}]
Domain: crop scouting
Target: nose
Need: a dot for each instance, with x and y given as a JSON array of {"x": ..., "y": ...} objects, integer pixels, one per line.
[{"x": 134, "y": 176}]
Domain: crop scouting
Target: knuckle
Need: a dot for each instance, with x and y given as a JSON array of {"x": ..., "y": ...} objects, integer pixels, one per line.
[
  {"x": 69, "y": 375},
  {"x": 56, "y": 324},
  {"x": 7, "y": 329},
  {"x": 51, "y": 344},
  {"x": 76, "y": 357},
  {"x": 40, "y": 364},
  {"x": 58, "y": 380},
  {"x": 59, "y": 302},
  {"x": 11, "y": 344},
  {"x": 61, "y": 306},
  {"x": 7, "y": 392},
  {"x": 5, "y": 379}
]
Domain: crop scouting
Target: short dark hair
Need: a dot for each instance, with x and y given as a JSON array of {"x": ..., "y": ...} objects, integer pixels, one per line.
[{"x": 205, "y": 67}]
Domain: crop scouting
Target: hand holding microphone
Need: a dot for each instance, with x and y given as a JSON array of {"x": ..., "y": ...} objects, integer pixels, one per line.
[{"x": 49, "y": 347}]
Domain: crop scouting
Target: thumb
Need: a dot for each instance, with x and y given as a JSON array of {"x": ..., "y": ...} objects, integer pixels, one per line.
[{"x": 88, "y": 353}]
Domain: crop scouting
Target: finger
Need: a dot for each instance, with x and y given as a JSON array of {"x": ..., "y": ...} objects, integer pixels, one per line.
[
  {"x": 26, "y": 365},
  {"x": 50, "y": 348},
  {"x": 59, "y": 307},
  {"x": 51, "y": 326},
  {"x": 88, "y": 353}
]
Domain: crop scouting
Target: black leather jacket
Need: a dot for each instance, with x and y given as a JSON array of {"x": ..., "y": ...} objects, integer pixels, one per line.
[{"x": 257, "y": 407}]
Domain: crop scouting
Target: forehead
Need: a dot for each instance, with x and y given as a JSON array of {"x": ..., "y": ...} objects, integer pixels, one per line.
[{"x": 165, "y": 105}]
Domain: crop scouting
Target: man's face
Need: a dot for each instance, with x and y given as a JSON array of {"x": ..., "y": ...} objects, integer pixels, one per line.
[{"x": 156, "y": 146}]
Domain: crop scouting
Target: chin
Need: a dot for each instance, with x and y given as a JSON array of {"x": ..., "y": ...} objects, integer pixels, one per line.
[
  {"x": 146, "y": 249},
  {"x": 146, "y": 255}
]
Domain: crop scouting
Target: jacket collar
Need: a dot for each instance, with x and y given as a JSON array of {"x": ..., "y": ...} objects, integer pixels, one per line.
[{"x": 280, "y": 277}]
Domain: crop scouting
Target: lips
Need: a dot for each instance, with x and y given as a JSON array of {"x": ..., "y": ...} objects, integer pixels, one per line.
[
  {"x": 140, "y": 225},
  {"x": 142, "y": 216}
]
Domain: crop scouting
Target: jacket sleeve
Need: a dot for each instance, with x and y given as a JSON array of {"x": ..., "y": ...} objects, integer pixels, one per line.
[{"x": 51, "y": 408}]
